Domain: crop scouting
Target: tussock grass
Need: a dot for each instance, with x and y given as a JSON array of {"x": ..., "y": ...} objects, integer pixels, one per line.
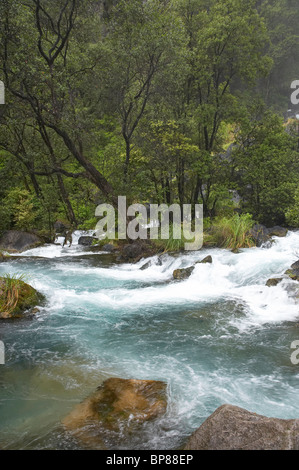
[
  {"x": 231, "y": 232},
  {"x": 10, "y": 286}
]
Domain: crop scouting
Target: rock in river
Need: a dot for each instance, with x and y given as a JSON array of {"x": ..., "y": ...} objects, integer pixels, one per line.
[
  {"x": 17, "y": 298},
  {"x": 233, "y": 428},
  {"x": 118, "y": 408},
  {"x": 182, "y": 274},
  {"x": 17, "y": 241}
]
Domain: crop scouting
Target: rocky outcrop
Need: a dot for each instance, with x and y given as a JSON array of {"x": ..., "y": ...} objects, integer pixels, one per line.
[
  {"x": 18, "y": 299},
  {"x": 116, "y": 410},
  {"x": 15, "y": 241},
  {"x": 233, "y": 428},
  {"x": 182, "y": 274}
]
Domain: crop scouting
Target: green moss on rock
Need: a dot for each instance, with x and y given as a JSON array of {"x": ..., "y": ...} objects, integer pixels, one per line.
[{"x": 17, "y": 298}]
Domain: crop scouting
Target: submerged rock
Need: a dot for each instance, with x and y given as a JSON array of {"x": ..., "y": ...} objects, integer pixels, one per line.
[
  {"x": 116, "y": 410},
  {"x": 233, "y": 428},
  {"x": 18, "y": 299},
  {"x": 18, "y": 241},
  {"x": 184, "y": 273}
]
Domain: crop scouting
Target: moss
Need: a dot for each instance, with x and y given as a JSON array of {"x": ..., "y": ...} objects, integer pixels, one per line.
[{"x": 17, "y": 298}]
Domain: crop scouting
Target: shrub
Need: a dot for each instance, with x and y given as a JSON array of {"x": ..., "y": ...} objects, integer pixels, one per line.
[{"x": 231, "y": 232}]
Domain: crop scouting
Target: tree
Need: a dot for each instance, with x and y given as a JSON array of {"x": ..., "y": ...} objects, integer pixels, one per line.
[
  {"x": 48, "y": 73},
  {"x": 226, "y": 39},
  {"x": 266, "y": 167}
]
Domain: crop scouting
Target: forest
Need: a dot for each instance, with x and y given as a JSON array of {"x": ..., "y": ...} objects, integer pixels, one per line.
[{"x": 161, "y": 101}]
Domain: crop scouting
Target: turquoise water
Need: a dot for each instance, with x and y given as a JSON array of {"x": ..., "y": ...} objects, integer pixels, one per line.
[{"x": 219, "y": 337}]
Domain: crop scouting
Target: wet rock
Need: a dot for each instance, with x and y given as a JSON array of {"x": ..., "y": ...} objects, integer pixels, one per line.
[
  {"x": 184, "y": 273},
  {"x": 233, "y": 428},
  {"x": 150, "y": 263},
  {"x": 207, "y": 259},
  {"x": 134, "y": 252},
  {"x": 293, "y": 272},
  {"x": 18, "y": 241},
  {"x": 273, "y": 282},
  {"x": 116, "y": 411},
  {"x": 295, "y": 266},
  {"x": 259, "y": 234},
  {"x": 18, "y": 299},
  {"x": 109, "y": 248},
  {"x": 277, "y": 231},
  {"x": 86, "y": 240}
]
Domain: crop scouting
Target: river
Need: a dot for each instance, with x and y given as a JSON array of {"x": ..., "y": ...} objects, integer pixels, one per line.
[{"x": 219, "y": 337}]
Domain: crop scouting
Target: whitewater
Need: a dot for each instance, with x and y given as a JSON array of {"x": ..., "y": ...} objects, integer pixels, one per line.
[{"x": 221, "y": 336}]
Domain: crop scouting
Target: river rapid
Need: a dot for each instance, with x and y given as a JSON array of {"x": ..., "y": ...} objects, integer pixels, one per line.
[{"x": 221, "y": 336}]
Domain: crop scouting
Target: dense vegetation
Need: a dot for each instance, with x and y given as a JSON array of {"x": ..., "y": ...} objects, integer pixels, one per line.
[{"x": 161, "y": 100}]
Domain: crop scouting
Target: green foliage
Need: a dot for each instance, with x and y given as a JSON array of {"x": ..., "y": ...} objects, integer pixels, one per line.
[
  {"x": 20, "y": 203},
  {"x": 292, "y": 213},
  {"x": 231, "y": 232},
  {"x": 266, "y": 168},
  {"x": 10, "y": 286},
  {"x": 152, "y": 100}
]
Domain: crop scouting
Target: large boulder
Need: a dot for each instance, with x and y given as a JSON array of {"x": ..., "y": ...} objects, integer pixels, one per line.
[
  {"x": 17, "y": 241},
  {"x": 182, "y": 274},
  {"x": 233, "y": 428},
  {"x": 116, "y": 411},
  {"x": 86, "y": 240},
  {"x": 259, "y": 234},
  {"x": 17, "y": 298}
]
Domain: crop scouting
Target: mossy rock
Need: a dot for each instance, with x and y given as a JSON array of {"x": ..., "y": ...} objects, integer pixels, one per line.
[
  {"x": 273, "y": 282},
  {"x": 116, "y": 411},
  {"x": 182, "y": 274},
  {"x": 17, "y": 298},
  {"x": 293, "y": 274},
  {"x": 207, "y": 260}
]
